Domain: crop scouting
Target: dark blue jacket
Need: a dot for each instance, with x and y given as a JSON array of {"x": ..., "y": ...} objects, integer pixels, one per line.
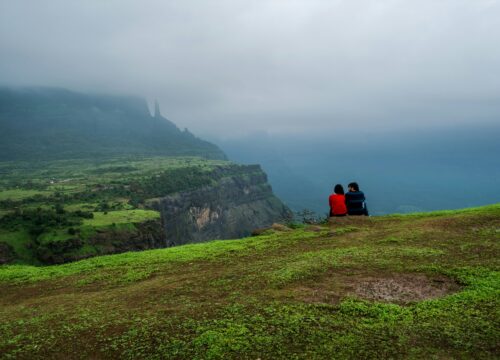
[{"x": 355, "y": 202}]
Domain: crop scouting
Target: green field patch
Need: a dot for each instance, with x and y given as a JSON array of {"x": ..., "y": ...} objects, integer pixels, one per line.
[
  {"x": 55, "y": 235},
  {"x": 88, "y": 231},
  {"x": 67, "y": 188},
  {"x": 81, "y": 206},
  {"x": 487, "y": 210},
  {"x": 121, "y": 217},
  {"x": 20, "y": 194}
]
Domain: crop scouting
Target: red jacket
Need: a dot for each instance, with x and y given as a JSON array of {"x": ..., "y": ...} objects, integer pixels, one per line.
[{"x": 337, "y": 205}]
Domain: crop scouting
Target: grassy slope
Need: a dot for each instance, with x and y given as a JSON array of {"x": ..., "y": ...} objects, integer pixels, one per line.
[{"x": 280, "y": 295}]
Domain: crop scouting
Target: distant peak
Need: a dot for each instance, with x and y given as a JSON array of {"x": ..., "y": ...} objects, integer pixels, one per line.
[{"x": 157, "y": 110}]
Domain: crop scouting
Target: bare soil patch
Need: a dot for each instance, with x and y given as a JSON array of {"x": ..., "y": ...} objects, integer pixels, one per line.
[
  {"x": 405, "y": 288},
  {"x": 386, "y": 287}
]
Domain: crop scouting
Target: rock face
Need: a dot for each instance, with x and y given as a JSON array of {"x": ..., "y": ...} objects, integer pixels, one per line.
[{"x": 230, "y": 208}]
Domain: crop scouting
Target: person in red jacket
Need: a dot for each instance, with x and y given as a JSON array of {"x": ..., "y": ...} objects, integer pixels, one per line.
[{"x": 337, "y": 202}]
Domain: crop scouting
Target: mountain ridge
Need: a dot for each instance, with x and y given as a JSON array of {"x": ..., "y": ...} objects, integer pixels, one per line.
[{"x": 44, "y": 122}]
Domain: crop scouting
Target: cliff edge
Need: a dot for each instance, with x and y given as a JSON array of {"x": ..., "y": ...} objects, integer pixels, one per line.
[{"x": 239, "y": 201}]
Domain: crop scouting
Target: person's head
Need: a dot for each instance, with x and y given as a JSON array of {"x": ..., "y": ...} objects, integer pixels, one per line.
[
  {"x": 338, "y": 189},
  {"x": 353, "y": 186}
]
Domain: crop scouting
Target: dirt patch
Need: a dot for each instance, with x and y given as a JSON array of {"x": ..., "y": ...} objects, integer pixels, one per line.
[
  {"x": 393, "y": 288},
  {"x": 405, "y": 288}
]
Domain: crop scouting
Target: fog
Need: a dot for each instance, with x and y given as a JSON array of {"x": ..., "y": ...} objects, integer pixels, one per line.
[
  {"x": 405, "y": 172},
  {"x": 231, "y": 68},
  {"x": 402, "y": 96}
]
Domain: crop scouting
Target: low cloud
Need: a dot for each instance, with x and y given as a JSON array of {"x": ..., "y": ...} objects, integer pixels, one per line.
[{"x": 233, "y": 67}]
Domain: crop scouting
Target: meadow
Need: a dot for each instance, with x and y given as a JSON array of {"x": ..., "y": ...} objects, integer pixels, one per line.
[{"x": 413, "y": 286}]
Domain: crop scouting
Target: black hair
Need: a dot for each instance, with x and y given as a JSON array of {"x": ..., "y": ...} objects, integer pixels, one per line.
[
  {"x": 354, "y": 185},
  {"x": 339, "y": 190}
]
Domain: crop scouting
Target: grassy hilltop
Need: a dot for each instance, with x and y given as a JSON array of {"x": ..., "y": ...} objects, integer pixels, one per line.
[{"x": 416, "y": 286}]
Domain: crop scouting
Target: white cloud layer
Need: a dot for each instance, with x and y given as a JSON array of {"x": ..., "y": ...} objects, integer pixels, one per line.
[{"x": 229, "y": 67}]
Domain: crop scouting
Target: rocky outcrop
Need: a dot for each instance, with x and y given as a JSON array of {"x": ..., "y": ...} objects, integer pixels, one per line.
[{"x": 240, "y": 201}]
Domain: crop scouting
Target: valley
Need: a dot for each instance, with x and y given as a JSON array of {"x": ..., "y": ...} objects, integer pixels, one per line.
[{"x": 65, "y": 210}]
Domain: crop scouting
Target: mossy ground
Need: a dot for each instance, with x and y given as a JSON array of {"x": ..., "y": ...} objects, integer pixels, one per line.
[{"x": 263, "y": 297}]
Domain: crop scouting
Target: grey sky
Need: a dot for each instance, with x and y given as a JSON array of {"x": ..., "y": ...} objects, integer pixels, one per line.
[{"x": 230, "y": 67}]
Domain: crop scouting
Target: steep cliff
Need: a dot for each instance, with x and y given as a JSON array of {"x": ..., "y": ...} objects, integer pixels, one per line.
[
  {"x": 239, "y": 201},
  {"x": 94, "y": 162},
  {"x": 124, "y": 205}
]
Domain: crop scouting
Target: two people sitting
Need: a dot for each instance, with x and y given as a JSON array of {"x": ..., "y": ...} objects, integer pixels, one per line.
[{"x": 352, "y": 203}]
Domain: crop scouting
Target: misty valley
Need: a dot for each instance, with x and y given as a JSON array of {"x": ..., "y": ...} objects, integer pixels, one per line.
[
  {"x": 122, "y": 236},
  {"x": 86, "y": 175},
  {"x": 400, "y": 171},
  {"x": 66, "y": 210},
  {"x": 249, "y": 180}
]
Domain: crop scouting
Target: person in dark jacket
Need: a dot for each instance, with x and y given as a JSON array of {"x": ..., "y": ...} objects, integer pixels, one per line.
[
  {"x": 337, "y": 202},
  {"x": 355, "y": 200}
]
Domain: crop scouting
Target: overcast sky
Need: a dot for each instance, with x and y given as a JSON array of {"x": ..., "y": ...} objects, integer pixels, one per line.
[{"x": 283, "y": 66}]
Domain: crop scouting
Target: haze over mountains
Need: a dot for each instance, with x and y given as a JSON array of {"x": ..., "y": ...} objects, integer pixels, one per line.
[
  {"x": 45, "y": 123},
  {"x": 409, "y": 90},
  {"x": 86, "y": 175},
  {"x": 123, "y": 236},
  {"x": 400, "y": 171}
]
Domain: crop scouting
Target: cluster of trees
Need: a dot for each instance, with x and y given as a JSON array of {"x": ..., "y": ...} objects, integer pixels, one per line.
[
  {"x": 40, "y": 220},
  {"x": 138, "y": 190}
]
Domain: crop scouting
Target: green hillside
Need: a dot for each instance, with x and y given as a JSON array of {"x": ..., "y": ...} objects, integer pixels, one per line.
[
  {"x": 416, "y": 286},
  {"x": 52, "y": 123}
]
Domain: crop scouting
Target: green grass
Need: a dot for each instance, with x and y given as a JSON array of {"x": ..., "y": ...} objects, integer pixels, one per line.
[
  {"x": 137, "y": 261},
  {"x": 283, "y": 295},
  {"x": 66, "y": 188},
  {"x": 121, "y": 217},
  {"x": 476, "y": 210},
  {"x": 20, "y": 194},
  {"x": 54, "y": 235},
  {"x": 80, "y": 206}
]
